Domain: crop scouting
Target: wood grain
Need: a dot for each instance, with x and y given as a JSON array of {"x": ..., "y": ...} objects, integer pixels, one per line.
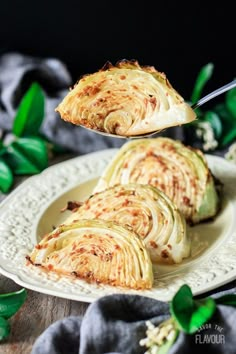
[{"x": 36, "y": 314}]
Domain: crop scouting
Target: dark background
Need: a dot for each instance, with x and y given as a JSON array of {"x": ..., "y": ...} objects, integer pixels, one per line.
[{"x": 178, "y": 38}]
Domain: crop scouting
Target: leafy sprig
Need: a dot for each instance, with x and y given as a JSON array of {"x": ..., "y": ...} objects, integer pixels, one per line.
[
  {"x": 9, "y": 304},
  {"x": 215, "y": 127},
  {"x": 187, "y": 315},
  {"x": 27, "y": 151}
]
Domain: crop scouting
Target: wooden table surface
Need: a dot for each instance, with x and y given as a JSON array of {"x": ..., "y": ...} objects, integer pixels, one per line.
[
  {"x": 35, "y": 315},
  {"x": 38, "y": 311}
]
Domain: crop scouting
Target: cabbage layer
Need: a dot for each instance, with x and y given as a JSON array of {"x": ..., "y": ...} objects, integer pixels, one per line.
[
  {"x": 96, "y": 251},
  {"x": 148, "y": 211},
  {"x": 179, "y": 171},
  {"x": 126, "y": 99}
]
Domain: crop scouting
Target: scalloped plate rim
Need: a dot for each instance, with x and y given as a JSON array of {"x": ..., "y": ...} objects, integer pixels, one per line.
[{"x": 17, "y": 277}]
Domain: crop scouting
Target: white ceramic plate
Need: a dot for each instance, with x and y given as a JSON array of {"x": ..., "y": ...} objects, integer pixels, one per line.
[{"x": 33, "y": 209}]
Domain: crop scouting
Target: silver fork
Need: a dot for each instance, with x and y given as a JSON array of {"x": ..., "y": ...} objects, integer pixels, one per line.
[{"x": 213, "y": 94}]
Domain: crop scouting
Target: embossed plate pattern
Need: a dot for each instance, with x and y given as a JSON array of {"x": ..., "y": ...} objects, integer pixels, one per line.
[{"x": 34, "y": 208}]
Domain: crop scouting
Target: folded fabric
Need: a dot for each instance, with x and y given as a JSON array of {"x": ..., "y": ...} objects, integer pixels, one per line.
[
  {"x": 117, "y": 323},
  {"x": 18, "y": 71}
]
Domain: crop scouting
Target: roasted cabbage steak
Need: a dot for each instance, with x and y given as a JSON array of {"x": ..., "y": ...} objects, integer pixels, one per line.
[
  {"x": 148, "y": 211},
  {"x": 96, "y": 251},
  {"x": 126, "y": 100},
  {"x": 180, "y": 171}
]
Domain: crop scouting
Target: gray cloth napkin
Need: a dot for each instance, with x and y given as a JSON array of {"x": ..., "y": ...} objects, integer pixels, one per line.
[{"x": 116, "y": 323}]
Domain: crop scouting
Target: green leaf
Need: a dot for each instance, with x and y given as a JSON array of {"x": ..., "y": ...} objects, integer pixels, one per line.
[
  {"x": 4, "y": 328},
  {"x": 189, "y": 314},
  {"x": 230, "y": 101},
  {"x": 10, "y": 303},
  {"x": 2, "y": 150},
  {"x": 202, "y": 78},
  {"x": 30, "y": 113},
  {"x": 214, "y": 119},
  {"x": 229, "y": 300},
  {"x": 27, "y": 156},
  {"x": 228, "y": 125},
  {"x": 229, "y": 137},
  {"x": 6, "y": 177},
  {"x": 222, "y": 110},
  {"x": 204, "y": 310}
]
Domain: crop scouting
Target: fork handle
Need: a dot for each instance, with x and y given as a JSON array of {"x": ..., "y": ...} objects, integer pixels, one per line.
[{"x": 215, "y": 93}]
